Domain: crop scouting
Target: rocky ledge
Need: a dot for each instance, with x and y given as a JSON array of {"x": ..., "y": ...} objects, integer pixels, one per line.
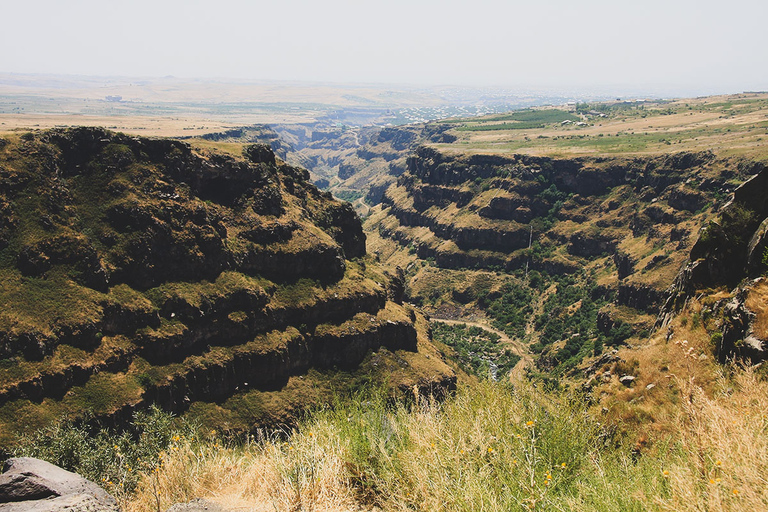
[{"x": 33, "y": 485}]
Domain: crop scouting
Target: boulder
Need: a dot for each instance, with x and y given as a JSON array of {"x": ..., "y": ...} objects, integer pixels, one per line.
[
  {"x": 627, "y": 380},
  {"x": 35, "y": 485},
  {"x": 742, "y": 335},
  {"x": 70, "y": 503}
]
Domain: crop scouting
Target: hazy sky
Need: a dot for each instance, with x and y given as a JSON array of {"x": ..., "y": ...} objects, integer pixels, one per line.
[{"x": 698, "y": 45}]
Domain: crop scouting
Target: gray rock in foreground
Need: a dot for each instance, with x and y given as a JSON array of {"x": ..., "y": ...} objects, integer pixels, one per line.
[{"x": 34, "y": 485}]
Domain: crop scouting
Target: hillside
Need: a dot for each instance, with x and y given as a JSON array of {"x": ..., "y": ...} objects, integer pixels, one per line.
[
  {"x": 612, "y": 306},
  {"x": 567, "y": 255},
  {"x": 140, "y": 271}
]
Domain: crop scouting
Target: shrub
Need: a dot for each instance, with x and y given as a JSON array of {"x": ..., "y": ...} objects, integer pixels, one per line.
[{"x": 111, "y": 458}]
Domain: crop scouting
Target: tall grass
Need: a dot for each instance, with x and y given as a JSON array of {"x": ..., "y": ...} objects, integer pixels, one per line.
[{"x": 490, "y": 447}]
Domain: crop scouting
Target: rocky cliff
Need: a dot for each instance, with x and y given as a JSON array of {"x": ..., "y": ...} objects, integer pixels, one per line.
[
  {"x": 139, "y": 271},
  {"x": 620, "y": 227},
  {"x": 358, "y": 161},
  {"x": 726, "y": 273}
]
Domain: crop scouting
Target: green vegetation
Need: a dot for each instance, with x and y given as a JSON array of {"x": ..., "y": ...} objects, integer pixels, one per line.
[
  {"x": 541, "y": 116},
  {"x": 520, "y": 120},
  {"x": 115, "y": 459},
  {"x": 503, "y": 126},
  {"x": 476, "y": 350},
  {"x": 512, "y": 309},
  {"x": 349, "y": 196},
  {"x": 490, "y": 447},
  {"x": 568, "y": 313}
]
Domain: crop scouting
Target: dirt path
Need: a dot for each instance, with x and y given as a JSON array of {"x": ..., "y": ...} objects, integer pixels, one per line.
[{"x": 517, "y": 347}]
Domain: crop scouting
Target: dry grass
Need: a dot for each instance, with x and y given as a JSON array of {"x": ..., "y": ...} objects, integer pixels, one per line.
[
  {"x": 725, "y": 440},
  {"x": 491, "y": 447},
  {"x": 303, "y": 474},
  {"x": 757, "y": 302}
]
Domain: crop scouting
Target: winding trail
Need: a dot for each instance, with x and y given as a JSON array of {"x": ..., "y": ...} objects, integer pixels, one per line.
[{"x": 517, "y": 347}]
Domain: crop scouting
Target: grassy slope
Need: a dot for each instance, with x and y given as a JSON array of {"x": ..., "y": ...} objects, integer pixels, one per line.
[
  {"x": 490, "y": 447},
  {"x": 83, "y": 369}
]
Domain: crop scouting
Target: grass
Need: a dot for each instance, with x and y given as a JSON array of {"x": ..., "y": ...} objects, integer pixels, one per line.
[
  {"x": 489, "y": 447},
  {"x": 32, "y": 303},
  {"x": 530, "y": 125},
  {"x": 729, "y": 125},
  {"x": 540, "y": 116}
]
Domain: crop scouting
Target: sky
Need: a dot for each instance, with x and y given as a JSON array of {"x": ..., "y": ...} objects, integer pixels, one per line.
[{"x": 695, "y": 46}]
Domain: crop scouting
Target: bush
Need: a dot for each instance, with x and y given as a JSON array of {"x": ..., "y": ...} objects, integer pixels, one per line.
[{"x": 108, "y": 457}]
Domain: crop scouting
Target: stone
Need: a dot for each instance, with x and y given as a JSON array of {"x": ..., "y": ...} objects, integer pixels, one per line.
[
  {"x": 71, "y": 503},
  {"x": 625, "y": 264},
  {"x": 756, "y": 248},
  {"x": 33, "y": 484},
  {"x": 627, "y": 380}
]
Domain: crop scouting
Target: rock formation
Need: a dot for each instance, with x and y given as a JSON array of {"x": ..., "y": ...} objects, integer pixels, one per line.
[
  {"x": 139, "y": 271},
  {"x": 730, "y": 253},
  {"x": 620, "y": 226},
  {"x": 33, "y": 485}
]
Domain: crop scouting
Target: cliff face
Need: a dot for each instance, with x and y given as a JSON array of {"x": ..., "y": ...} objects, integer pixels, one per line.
[
  {"x": 138, "y": 271},
  {"x": 490, "y": 208},
  {"x": 730, "y": 254},
  {"x": 620, "y": 228}
]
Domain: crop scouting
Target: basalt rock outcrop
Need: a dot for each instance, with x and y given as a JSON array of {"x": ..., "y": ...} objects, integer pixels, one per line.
[
  {"x": 730, "y": 253},
  {"x": 491, "y": 208},
  {"x": 33, "y": 485},
  {"x": 142, "y": 271},
  {"x": 622, "y": 227}
]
